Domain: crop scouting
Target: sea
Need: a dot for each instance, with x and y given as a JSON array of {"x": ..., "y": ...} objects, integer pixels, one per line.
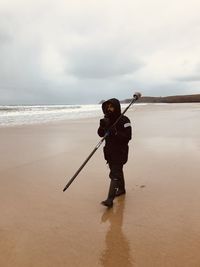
[
  {"x": 37, "y": 114},
  {"x": 22, "y": 115}
]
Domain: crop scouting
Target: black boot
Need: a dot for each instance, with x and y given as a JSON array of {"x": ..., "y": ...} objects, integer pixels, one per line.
[
  {"x": 111, "y": 194},
  {"x": 121, "y": 190}
]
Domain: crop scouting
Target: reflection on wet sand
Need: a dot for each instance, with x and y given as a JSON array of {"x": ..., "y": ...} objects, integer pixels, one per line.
[{"x": 117, "y": 251}]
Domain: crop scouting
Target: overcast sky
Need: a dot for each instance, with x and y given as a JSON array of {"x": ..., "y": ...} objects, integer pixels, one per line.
[{"x": 70, "y": 51}]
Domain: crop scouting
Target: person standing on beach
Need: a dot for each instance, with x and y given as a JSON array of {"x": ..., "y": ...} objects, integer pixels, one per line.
[{"x": 116, "y": 146}]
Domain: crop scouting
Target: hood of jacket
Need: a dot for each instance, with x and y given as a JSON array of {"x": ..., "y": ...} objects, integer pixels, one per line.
[{"x": 116, "y": 104}]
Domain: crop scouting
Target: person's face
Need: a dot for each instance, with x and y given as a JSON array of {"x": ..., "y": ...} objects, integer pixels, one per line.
[{"x": 110, "y": 108}]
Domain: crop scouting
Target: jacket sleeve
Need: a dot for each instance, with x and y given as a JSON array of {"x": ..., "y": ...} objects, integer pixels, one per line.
[{"x": 124, "y": 134}]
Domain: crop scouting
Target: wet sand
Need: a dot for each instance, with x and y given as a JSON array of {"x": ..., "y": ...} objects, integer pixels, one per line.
[{"x": 156, "y": 224}]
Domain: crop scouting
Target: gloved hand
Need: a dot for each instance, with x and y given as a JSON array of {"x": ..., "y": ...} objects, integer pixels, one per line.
[
  {"x": 112, "y": 131},
  {"x": 105, "y": 123}
]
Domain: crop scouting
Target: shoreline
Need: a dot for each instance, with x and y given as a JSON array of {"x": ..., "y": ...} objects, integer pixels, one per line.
[{"x": 79, "y": 119}]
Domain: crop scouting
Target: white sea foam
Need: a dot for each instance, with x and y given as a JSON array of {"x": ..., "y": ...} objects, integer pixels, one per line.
[{"x": 19, "y": 115}]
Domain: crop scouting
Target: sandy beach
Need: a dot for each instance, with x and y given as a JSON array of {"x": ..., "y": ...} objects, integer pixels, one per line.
[{"x": 157, "y": 223}]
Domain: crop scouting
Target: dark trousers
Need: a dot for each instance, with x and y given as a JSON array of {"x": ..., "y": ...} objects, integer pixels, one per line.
[{"x": 116, "y": 174}]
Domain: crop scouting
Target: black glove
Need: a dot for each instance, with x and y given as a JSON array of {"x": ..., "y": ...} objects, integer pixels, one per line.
[
  {"x": 105, "y": 123},
  {"x": 113, "y": 131}
]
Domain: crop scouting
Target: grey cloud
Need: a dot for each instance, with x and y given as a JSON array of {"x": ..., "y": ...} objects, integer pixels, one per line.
[
  {"x": 104, "y": 58},
  {"x": 102, "y": 64},
  {"x": 6, "y": 29},
  {"x": 192, "y": 77},
  {"x": 189, "y": 78},
  {"x": 4, "y": 37}
]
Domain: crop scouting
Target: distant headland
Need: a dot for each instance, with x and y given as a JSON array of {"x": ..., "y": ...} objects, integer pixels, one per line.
[{"x": 165, "y": 99}]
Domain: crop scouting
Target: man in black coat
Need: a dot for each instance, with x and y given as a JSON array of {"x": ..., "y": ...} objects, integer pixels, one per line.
[{"x": 116, "y": 146}]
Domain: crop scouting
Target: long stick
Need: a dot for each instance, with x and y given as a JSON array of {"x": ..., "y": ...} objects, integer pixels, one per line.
[{"x": 136, "y": 96}]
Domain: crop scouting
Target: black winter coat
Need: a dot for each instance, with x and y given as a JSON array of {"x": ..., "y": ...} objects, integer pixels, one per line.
[{"x": 116, "y": 144}]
